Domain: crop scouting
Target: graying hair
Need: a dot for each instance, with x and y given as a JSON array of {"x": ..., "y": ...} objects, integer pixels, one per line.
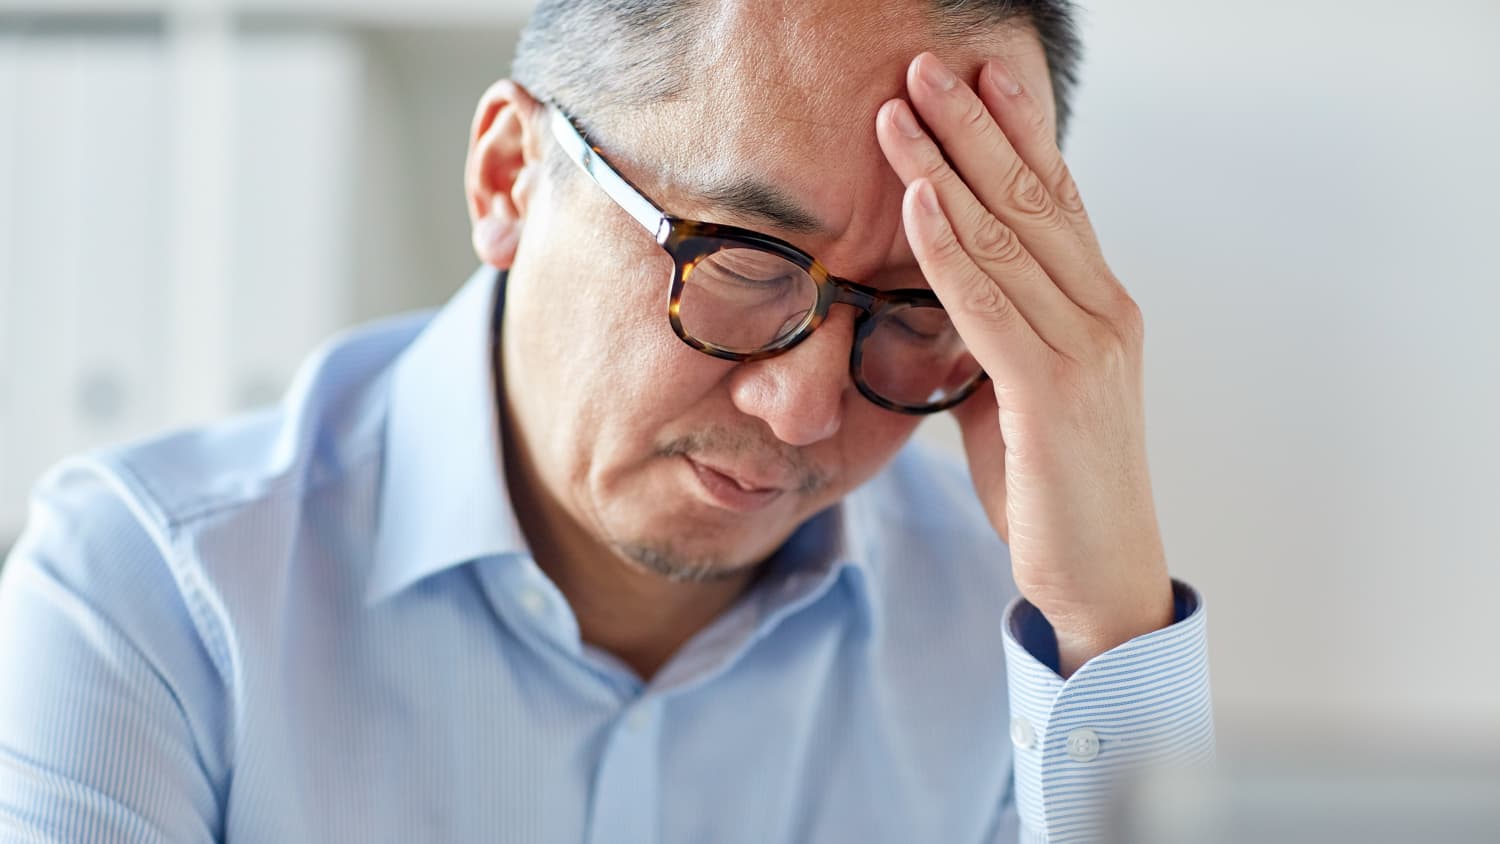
[{"x": 607, "y": 56}]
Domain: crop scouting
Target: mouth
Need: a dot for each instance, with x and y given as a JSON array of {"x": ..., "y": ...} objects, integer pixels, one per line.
[{"x": 727, "y": 489}]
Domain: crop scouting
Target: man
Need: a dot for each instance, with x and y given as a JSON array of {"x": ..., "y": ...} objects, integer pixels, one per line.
[{"x": 623, "y": 544}]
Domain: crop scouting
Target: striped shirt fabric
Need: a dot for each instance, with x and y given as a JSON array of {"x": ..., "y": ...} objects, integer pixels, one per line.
[{"x": 321, "y": 623}]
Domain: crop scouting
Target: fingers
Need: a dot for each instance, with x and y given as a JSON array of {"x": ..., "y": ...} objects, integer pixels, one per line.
[
  {"x": 999, "y": 336},
  {"x": 1023, "y": 121},
  {"x": 1019, "y": 190},
  {"x": 992, "y": 246}
]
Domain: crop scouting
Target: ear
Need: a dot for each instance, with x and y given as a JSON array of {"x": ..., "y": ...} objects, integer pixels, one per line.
[{"x": 505, "y": 156}]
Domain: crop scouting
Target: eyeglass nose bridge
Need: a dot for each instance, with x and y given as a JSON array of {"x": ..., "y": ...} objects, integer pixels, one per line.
[{"x": 867, "y": 300}]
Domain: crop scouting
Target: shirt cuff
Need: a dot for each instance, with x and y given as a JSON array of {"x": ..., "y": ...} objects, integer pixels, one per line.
[{"x": 1144, "y": 702}]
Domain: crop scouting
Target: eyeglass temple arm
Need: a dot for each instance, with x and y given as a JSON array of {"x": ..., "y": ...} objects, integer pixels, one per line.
[{"x": 617, "y": 186}]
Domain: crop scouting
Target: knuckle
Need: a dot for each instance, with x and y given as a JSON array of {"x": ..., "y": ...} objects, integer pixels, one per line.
[
  {"x": 1122, "y": 327},
  {"x": 1012, "y": 180},
  {"x": 1065, "y": 193},
  {"x": 974, "y": 116},
  {"x": 1129, "y": 319},
  {"x": 1063, "y": 189},
  {"x": 996, "y": 244},
  {"x": 1108, "y": 357},
  {"x": 1104, "y": 341},
  {"x": 1029, "y": 195},
  {"x": 935, "y": 168},
  {"x": 987, "y": 302},
  {"x": 946, "y": 250},
  {"x": 1024, "y": 193}
]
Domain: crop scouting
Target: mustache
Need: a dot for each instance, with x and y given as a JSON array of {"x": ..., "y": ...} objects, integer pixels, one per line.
[{"x": 728, "y": 443}]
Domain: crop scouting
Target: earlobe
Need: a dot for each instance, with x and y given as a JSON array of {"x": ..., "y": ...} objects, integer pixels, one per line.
[{"x": 495, "y": 237}]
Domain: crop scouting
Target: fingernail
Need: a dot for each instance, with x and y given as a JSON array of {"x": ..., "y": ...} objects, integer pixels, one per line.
[
  {"x": 1002, "y": 79},
  {"x": 936, "y": 74},
  {"x": 901, "y": 116},
  {"x": 927, "y": 198}
]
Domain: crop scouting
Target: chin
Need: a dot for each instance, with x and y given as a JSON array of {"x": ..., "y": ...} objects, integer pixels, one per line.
[
  {"x": 695, "y": 544},
  {"x": 669, "y": 563}
]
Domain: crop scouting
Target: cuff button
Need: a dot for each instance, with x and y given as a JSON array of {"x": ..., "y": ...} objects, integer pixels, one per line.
[{"x": 1083, "y": 745}]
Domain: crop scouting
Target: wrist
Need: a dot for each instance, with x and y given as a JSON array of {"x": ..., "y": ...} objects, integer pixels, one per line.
[{"x": 1083, "y": 635}]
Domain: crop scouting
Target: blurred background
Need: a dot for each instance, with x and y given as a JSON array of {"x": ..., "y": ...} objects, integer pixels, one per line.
[{"x": 1301, "y": 194}]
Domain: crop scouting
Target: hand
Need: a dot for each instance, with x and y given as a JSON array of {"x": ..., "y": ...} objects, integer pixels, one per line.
[{"x": 1057, "y": 444}]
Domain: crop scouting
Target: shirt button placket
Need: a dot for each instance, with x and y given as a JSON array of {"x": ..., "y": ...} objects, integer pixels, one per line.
[{"x": 625, "y": 804}]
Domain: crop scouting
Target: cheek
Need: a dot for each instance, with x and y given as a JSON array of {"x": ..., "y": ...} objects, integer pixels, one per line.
[
  {"x": 642, "y": 378},
  {"x": 602, "y": 371},
  {"x": 586, "y": 312},
  {"x": 640, "y": 374},
  {"x": 868, "y": 440}
]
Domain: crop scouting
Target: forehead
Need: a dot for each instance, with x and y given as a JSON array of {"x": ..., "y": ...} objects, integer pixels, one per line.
[
  {"x": 787, "y": 91},
  {"x": 818, "y": 53}
]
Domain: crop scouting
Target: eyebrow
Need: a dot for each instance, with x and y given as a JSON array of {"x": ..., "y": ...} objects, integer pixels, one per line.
[{"x": 751, "y": 197}]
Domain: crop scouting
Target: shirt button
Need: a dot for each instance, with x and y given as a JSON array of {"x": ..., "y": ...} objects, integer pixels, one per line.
[
  {"x": 1021, "y": 734},
  {"x": 1083, "y": 745},
  {"x": 534, "y": 602}
]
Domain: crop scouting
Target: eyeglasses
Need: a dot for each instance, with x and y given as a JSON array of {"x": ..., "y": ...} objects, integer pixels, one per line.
[{"x": 740, "y": 295}]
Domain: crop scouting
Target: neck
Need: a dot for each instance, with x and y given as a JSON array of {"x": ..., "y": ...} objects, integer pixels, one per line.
[{"x": 637, "y": 615}]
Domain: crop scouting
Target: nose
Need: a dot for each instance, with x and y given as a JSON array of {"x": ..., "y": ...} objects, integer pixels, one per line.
[{"x": 800, "y": 394}]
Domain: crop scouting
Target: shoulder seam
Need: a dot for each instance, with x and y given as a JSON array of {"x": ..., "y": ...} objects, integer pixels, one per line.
[{"x": 206, "y": 506}]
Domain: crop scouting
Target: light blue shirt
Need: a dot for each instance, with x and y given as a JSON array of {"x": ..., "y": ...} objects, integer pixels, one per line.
[{"x": 321, "y": 623}]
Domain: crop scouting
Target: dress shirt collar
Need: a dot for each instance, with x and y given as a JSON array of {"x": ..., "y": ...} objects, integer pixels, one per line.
[
  {"x": 823, "y": 548},
  {"x": 443, "y": 498}
]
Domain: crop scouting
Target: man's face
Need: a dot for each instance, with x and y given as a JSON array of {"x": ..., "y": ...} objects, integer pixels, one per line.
[{"x": 673, "y": 458}]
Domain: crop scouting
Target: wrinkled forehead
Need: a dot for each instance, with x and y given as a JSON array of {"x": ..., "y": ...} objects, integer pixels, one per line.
[{"x": 789, "y": 89}]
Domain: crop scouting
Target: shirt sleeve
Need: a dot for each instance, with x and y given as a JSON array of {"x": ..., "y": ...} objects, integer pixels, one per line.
[
  {"x": 1145, "y": 702},
  {"x": 109, "y": 703}
]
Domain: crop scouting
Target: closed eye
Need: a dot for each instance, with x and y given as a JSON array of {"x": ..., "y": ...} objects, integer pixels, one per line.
[{"x": 924, "y": 332}]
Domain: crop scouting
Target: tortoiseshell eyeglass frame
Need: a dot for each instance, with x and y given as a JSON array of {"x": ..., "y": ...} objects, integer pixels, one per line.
[{"x": 690, "y": 241}]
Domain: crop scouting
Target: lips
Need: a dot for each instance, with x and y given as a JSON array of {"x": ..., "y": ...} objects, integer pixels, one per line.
[
  {"x": 746, "y": 481},
  {"x": 731, "y": 490}
]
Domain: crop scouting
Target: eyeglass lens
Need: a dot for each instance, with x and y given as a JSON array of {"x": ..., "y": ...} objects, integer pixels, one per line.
[{"x": 747, "y": 300}]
